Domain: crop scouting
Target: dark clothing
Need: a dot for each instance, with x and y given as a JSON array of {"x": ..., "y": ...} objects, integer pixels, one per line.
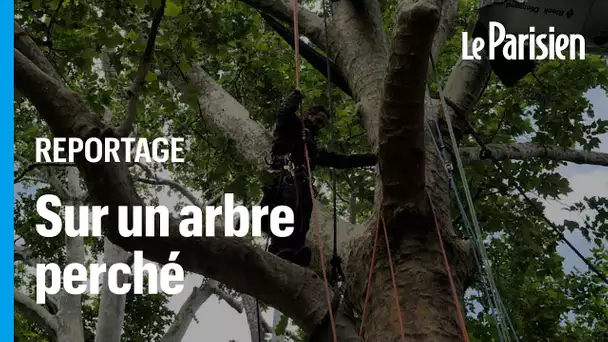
[
  {"x": 290, "y": 186},
  {"x": 288, "y": 140}
]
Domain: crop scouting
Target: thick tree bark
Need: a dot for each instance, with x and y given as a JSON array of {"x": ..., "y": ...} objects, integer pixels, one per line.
[{"x": 402, "y": 117}]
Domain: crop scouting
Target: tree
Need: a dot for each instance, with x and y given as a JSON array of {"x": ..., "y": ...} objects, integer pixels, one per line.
[{"x": 215, "y": 74}]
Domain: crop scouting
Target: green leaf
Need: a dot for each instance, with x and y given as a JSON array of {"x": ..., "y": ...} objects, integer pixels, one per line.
[
  {"x": 281, "y": 326},
  {"x": 150, "y": 76},
  {"x": 132, "y": 36},
  {"x": 184, "y": 66},
  {"x": 139, "y": 3},
  {"x": 171, "y": 9},
  {"x": 36, "y": 4}
]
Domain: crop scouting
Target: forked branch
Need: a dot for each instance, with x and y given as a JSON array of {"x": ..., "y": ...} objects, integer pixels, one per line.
[
  {"x": 401, "y": 136},
  {"x": 36, "y": 313}
]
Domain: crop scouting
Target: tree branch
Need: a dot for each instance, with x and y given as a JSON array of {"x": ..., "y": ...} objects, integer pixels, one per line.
[
  {"x": 34, "y": 166},
  {"x": 525, "y": 151},
  {"x": 225, "y": 296},
  {"x": 251, "y": 311},
  {"x": 36, "y": 313},
  {"x": 155, "y": 180},
  {"x": 111, "y": 306},
  {"x": 187, "y": 312},
  {"x": 464, "y": 88},
  {"x": 28, "y": 48},
  {"x": 402, "y": 112},
  {"x": 52, "y": 99},
  {"x": 296, "y": 291},
  {"x": 140, "y": 79},
  {"x": 175, "y": 186},
  {"x": 23, "y": 254},
  {"x": 449, "y": 10},
  {"x": 310, "y": 24},
  {"x": 70, "y": 306},
  {"x": 197, "y": 298},
  {"x": 309, "y": 53}
]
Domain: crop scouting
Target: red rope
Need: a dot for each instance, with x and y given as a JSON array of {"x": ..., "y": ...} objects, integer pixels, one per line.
[
  {"x": 390, "y": 263},
  {"x": 461, "y": 321},
  {"x": 320, "y": 245},
  {"x": 369, "y": 280},
  {"x": 296, "y": 37}
]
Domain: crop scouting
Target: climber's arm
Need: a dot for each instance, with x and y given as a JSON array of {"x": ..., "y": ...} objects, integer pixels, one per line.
[
  {"x": 344, "y": 161},
  {"x": 287, "y": 112}
]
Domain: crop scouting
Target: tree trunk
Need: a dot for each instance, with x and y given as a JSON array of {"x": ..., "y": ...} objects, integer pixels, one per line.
[{"x": 111, "y": 306}]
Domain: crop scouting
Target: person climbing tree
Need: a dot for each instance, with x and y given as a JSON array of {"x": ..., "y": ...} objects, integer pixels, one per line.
[{"x": 290, "y": 183}]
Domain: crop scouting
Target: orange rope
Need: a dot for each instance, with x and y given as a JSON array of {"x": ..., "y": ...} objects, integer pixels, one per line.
[
  {"x": 369, "y": 279},
  {"x": 321, "y": 249},
  {"x": 461, "y": 321},
  {"x": 390, "y": 263},
  {"x": 296, "y": 39}
]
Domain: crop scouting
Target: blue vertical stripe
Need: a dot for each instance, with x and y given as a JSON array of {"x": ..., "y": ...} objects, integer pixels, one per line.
[{"x": 6, "y": 169}]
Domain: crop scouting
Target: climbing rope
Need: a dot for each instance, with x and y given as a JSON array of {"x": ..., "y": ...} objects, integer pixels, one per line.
[
  {"x": 463, "y": 325},
  {"x": 335, "y": 262},
  {"x": 468, "y": 197},
  {"x": 314, "y": 205},
  {"x": 395, "y": 292},
  {"x": 379, "y": 222},
  {"x": 486, "y": 153},
  {"x": 369, "y": 278},
  {"x": 479, "y": 252}
]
